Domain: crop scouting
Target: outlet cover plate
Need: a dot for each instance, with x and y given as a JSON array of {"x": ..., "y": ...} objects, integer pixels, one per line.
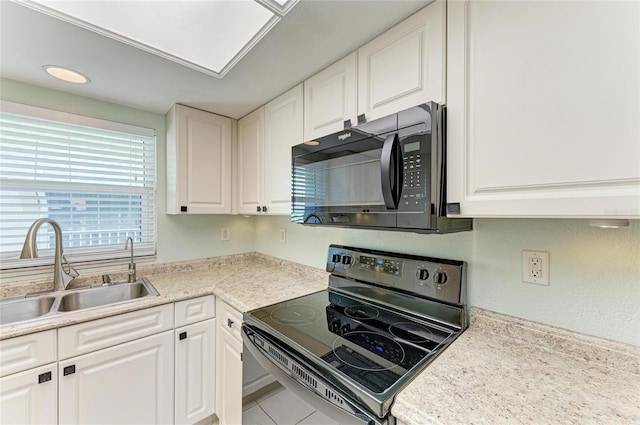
[
  {"x": 535, "y": 267},
  {"x": 224, "y": 234}
]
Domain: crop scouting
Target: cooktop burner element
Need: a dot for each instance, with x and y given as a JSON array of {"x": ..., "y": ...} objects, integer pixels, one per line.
[
  {"x": 360, "y": 341},
  {"x": 296, "y": 315}
]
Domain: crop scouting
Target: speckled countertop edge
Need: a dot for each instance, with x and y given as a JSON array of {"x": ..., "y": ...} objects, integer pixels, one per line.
[
  {"x": 245, "y": 281},
  {"x": 507, "y": 370}
]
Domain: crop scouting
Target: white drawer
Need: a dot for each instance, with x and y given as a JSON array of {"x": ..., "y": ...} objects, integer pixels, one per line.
[
  {"x": 230, "y": 319},
  {"x": 195, "y": 310},
  {"x": 26, "y": 352},
  {"x": 102, "y": 333}
]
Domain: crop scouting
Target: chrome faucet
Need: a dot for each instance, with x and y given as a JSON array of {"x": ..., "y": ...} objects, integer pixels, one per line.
[
  {"x": 61, "y": 278},
  {"x": 132, "y": 265}
]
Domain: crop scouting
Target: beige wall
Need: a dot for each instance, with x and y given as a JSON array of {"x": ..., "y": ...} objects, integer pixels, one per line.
[
  {"x": 179, "y": 237},
  {"x": 595, "y": 273}
]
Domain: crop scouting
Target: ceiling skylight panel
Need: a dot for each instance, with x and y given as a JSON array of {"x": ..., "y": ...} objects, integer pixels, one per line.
[{"x": 208, "y": 35}]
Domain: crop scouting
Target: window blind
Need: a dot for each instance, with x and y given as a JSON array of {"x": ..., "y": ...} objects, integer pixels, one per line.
[{"x": 95, "y": 178}]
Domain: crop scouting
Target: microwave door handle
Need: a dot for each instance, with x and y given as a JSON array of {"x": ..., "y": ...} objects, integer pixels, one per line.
[{"x": 389, "y": 169}]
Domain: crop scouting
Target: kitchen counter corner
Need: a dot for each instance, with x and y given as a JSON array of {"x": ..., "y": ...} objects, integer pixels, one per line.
[{"x": 505, "y": 370}]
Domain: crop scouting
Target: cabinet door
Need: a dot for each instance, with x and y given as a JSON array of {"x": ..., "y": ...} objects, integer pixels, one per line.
[
  {"x": 249, "y": 163},
  {"x": 543, "y": 110},
  {"x": 198, "y": 162},
  {"x": 229, "y": 382},
  {"x": 404, "y": 66},
  {"x": 330, "y": 99},
  {"x": 30, "y": 397},
  {"x": 282, "y": 129},
  {"x": 194, "y": 372},
  {"x": 129, "y": 383}
]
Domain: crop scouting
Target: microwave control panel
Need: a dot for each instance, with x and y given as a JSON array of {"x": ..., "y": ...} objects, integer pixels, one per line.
[{"x": 414, "y": 184}]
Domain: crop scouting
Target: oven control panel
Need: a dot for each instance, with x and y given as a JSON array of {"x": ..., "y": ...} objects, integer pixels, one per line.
[
  {"x": 382, "y": 265},
  {"x": 435, "y": 278}
]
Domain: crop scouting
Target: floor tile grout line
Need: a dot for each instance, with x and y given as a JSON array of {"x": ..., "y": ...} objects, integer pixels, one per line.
[
  {"x": 297, "y": 423},
  {"x": 268, "y": 416}
]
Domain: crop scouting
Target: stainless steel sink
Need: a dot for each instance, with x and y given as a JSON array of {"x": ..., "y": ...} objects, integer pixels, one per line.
[
  {"x": 105, "y": 295},
  {"x": 20, "y": 309}
]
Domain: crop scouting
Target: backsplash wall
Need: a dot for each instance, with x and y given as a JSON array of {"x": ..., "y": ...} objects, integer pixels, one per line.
[{"x": 594, "y": 273}]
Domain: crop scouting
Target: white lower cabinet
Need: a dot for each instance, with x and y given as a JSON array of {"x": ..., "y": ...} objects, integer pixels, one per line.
[
  {"x": 29, "y": 379},
  {"x": 132, "y": 368},
  {"x": 229, "y": 385},
  {"x": 195, "y": 360},
  {"x": 128, "y": 383},
  {"x": 228, "y": 365},
  {"x": 30, "y": 397}
]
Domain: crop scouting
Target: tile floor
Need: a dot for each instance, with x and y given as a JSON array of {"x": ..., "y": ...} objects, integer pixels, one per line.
[{"x": 282, "y": 407}]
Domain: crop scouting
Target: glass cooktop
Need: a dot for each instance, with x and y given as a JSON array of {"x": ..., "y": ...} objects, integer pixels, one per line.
[{"x": 369, "y": 343}]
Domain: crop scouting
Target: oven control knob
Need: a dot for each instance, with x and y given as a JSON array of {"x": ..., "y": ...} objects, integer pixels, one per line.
[
  {"x": 345, "y": 329},
  {"x": 440, "y": 278},
  {"x": 335, "y": 258},
  {"x": 422, "y": 274},
  {"x": 335, "y": 326},
  {"x": 346, "y": 260}
]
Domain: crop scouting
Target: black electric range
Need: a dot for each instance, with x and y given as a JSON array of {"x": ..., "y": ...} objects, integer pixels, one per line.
[{"x": 349, "y": 349}]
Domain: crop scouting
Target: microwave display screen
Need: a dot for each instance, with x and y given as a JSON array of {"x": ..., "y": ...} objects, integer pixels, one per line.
[{"x": 410, "y": 147}]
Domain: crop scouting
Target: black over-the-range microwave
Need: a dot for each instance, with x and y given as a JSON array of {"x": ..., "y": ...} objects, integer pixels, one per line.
[{"x": 388, "y": 174}]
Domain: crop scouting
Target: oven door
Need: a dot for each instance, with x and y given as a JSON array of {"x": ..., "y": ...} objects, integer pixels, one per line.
[{"x": 297, "y": 377}]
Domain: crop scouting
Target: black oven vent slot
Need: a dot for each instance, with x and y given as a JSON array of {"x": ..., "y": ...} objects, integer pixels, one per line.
[
  {"x": 304, "y": 375},
  {"x": 278, "y": 356},
  {"x": 333, "y": 397}
]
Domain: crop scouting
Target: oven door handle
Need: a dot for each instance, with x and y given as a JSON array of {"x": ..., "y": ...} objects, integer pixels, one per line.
[
  {"x": 391, "y": 171},
  {"x": 347, "y": 415}
]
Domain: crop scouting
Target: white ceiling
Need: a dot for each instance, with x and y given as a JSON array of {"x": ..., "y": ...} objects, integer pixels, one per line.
[{"x": 314, "y": 34}]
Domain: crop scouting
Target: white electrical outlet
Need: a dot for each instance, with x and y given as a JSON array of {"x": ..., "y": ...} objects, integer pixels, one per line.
[
  {"x": 535, "y": 267},
  {"x": 283, "y": 235},
  {"x": 224, "y": 234}
]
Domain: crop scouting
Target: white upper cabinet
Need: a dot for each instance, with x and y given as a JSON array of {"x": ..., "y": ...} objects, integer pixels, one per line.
[
  {"x": 283, "y": 128},
  {"x": 330, "y": 99},
  {"x": 249, "y": 162},
  {"x": 198, "y": 162},
  {"x": 404, "y": 66},
  {"x": 543, "y": 108},
  {"x": 265, "y": 137}
]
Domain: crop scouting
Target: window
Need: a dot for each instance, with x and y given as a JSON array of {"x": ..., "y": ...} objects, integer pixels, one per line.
[{"x": 95, "y": 178}]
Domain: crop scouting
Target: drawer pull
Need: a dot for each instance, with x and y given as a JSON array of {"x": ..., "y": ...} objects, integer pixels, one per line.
[
  {"x": 44, "y": 377},
  {"x": 230, "y": 323},
  {"x": 183, "y": 335},
  {"x": 69, "y": 370}
]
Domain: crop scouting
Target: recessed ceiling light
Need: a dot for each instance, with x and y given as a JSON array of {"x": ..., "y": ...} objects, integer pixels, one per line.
[
  {"x": 609, "y": 223},
  {"x": 66, "y": 74}
]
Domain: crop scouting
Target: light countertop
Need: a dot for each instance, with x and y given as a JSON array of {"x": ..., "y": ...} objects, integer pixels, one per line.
[
  {"x": 502, "y": 370},
  {"x": 506, "y": 370},
  {"x": 244, "y": 281}
]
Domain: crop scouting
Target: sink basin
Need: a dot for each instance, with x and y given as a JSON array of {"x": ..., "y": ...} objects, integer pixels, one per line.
[
  {"x": 106, "y": 295},
  {"x": 22, "y": 309},
  {"x": 50, "y": 304}
]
